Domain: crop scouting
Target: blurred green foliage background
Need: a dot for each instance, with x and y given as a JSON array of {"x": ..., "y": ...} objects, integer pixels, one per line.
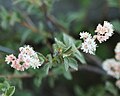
[{"x": 31, "y": 22}]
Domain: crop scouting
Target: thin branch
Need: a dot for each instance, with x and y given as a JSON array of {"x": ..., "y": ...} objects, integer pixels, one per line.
[
  {"x": 10, "y": 76},
  {"x": 92, "y": 69},
  {"x": 34, "y": 29},
  {"x": 51, "y": 18},
  {"x": 80, "y": 68},
  {"x": 94, "y": 59},
  {"x": 56, "y": 23},
  {"x": 27, "y": 22},
  {"x": 5, "y": 49}
]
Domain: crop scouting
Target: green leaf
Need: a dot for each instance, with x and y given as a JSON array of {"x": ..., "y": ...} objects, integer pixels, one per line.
[
  {"x": 58, "y": 70},
  {"x": 116, "y": 25},
  {"x": 67, "y": 75},
  {"x": 38, "y": 81},
  {"x": 111, "y": 88},
  {"x": 6, "y": 84},
  {"x": 78, "y": 55},
  {"x": 69, "y": 41},
  {"x": 10, "y": 91},
  {"x": 2, "y": 87},
  {"x": 66, "y": 63},
  {"x": 47, "y": 67},
  {"x": 25, "y": 35},
  {"x": 113, "y": 3},
  {"x": 59, "y": 43},
  {"x": 68, "y": 49},
  {"x": 49, "y": 56},
  {"x": 39, "y": 77},
  {"x": 67, "y": 52},
  {"x": 78, "y": 43},
  {"x": 73, "y": 63},
  {"x": 78, "y": 91},
  {"x": 41, "y": 57},
  {"x": 70, "y": 62},
  {"x": 14, "y": 18}
]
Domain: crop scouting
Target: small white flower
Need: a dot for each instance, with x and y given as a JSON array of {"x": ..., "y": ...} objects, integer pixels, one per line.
[
  {"x": 101, "y": 38},
  {"x": 84, "y": 35},
  {"x": 27, "y": 58},
  {"x": 109, "y": 28},
  {"x": 118, "y": 83},
  {"x": 35, "y": 63},
  {"x": 27, "y": 50},
  {"x": 10, "y": 58},
  {"x": 89, "y": 46},
  {"x": 112, "y": 67},
  {"x": 104, "y": 32},
  {"x": 117, "y": 56},
  {"x": 117, "y": 48},
  {"x": 117, "y": 51}
]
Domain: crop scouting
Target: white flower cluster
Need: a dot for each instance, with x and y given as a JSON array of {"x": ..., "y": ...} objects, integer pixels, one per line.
[
  {"x": 89, "y": 45},
  {"x": 27, "y": 58},
  {"x": 103, "y": 33},
  {"x": 117, "y": 51},
  {"x": 118, "y": 83},
  {"x": 112, "y": 66}
]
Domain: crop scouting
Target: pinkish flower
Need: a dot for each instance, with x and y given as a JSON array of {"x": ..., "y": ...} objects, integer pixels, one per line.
[
  {"x": 104, "y": 32},
  {"x": 85, "y": 35},
  {"x": 117, "y": 51},
  {"x": 16, "y": 65},
  {"x": 101, "y": 38},
  {"x": 89, "y": 46},
  {"x": 26, "y": 65},
  {"x": 117, "y": 56},
  {"x": 26, "y": 58},
  {"x": 118, "y": 83},
  {"x": 10, "y": 58},
  {"x": 112, "y": 67}
]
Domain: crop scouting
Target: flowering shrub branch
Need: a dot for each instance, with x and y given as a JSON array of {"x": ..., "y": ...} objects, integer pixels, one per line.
[
  {"x": 66, "y": 55},
  {"x": 64, "y": 52}
]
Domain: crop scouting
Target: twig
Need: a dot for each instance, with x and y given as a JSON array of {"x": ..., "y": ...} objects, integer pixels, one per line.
[
  {"x": 94, "y": 59},
  {"x": 5, "y": 49},
  {"x": 92, "y": 69},
  {"x": 10, "y": 76},
  {"x": 34, "y": 29},
  {"x": 51, "y": 18},
  {"x": 27, "y": 22},
  {"x": 80, "y": 68},
  {"x": 56, "y": 23}
]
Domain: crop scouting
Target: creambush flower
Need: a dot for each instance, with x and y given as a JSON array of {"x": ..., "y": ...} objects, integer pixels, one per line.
[
  {"x": 104, "y": 32},
  {"x": 112, "y": 67},
  {"x": 10, "y": 58},
  {"x": 85, "y": 35},
  {"x": 118, "y": 83},
  {"x": 89, "y": 46},
  {"x": 26, "y": 58},
  {"x": 117, "y": 51},
  {"x": 28, "y": 55}
]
